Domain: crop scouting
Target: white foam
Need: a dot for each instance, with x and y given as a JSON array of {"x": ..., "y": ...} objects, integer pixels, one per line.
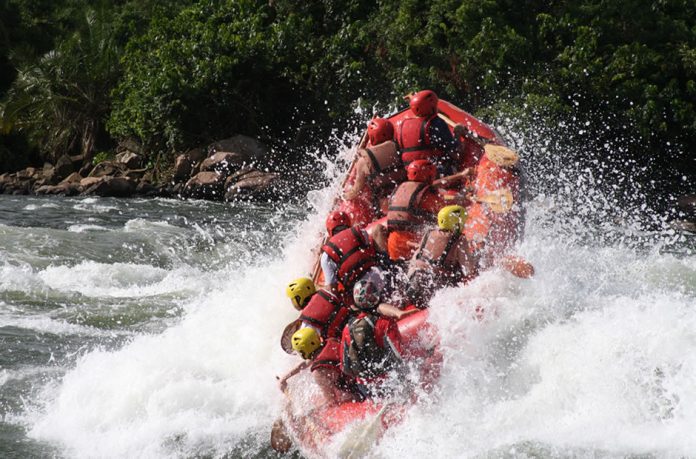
[
  {"x": 595, "y": 353},
  {"x": 85, "y": 228}
]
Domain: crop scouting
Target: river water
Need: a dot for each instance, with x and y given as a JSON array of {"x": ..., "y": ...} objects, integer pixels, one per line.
[{"x": 150, "y": 328}]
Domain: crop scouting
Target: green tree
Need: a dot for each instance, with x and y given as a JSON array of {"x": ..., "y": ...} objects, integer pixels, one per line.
[{"x": 61, "y": 101}]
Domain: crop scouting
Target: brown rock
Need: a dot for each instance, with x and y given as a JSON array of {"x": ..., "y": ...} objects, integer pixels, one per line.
[
  {"x": 129, "y": 159},
  {"x": 77, "y": 161},
  {"x": 63, "y": 167},
  {"x": 135, "y": 174},
  {"x": 64, "y": 188},
  {"x": 72, "y": 178},
  {"x": 182, "y": 168},
  {"x": 223, "y": 163},
  {"x": 119, "y": 187},
  {"x": 204, "y": 185},
  {"x": 105, "y": 168},
  {"x": 196, "y": 155},
  {"x": 26, "y": 174},
  {"x": 248, "y": 147},
  {"x": 253, "y": 185},
  {"x": 89, "y": 181},
  {"x": 687, "y": 204}
]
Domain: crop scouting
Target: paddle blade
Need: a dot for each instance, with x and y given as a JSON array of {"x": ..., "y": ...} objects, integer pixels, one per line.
[
  {"x": 362, "y": 438},
  {"x": 517, "y": 266},
  {"x": 499, "y": 201},
  {"x": 501, "y": 156},
  {"x": 285, "y": 338},
  {"x": 280, "y": 440}
]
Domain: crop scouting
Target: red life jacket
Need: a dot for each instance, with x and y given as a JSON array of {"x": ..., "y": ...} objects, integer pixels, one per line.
[
  {"x": 414, "y": 140},
  {"x": 404, "y": 207},
  {"x": 361, "y": 355},
  {"x": 352, "y": 253},
  {"x": 326, "y": 312}
]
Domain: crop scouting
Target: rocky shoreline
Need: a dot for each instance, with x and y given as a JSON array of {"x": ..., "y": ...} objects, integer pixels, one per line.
[{"x": 227, "y": 170}]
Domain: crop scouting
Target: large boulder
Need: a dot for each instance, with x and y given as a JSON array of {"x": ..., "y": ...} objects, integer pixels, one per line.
[
  {"x": 252, "y": 184},
  {"x": 72, "y": 178},
  {"x": 63, "y": 188},
  {"x": 129, "y": 159},
  {"x": 205, "y": 185},
  {"x": 687, "y": 205},
  {"x": 250, "y": 148},
  {"x": 63, "y": 168},
  {"x": 196, "y": 155},
  {"x": 118, "y": 187},
  {"x": 223, "y": 163},
  {"x": 107, "y": 168},
  {"x": 182, "y": 168},
  {"x": 27, "y": 174}
]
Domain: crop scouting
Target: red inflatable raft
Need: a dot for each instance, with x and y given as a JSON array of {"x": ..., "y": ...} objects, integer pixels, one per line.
[{"x": 359, "y": 424}]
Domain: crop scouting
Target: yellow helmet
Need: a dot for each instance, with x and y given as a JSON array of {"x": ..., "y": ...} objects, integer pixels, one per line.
[
  {"x": 451, "y": 217},
  {"x": 300, "y": 291},
  {"x": 305, "y": 341}
]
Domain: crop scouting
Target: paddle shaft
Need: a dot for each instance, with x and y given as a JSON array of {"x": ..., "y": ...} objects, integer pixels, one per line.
[
  {"x": 471, "y": 134},
  {"x": 317, "y": 264}
]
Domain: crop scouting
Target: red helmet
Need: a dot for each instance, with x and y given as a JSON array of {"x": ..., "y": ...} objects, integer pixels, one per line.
[
  {"x": 424, "y": 103},
  {"x": 421, "y": 170},
  {"x": 336, "y": 219},
  {"x": 379, "y": 130}
]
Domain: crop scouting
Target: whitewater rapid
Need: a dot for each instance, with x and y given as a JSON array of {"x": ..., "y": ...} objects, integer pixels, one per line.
[{"x": 594, "y": 356}]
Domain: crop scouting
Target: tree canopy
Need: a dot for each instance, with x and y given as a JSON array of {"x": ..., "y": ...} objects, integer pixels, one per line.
[{"x": 291, "y": 72}]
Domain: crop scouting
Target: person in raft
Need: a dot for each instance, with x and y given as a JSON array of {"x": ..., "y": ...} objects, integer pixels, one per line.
[
  {"x": 378, "y": 165},
  {"x": 350, "y": 252},
  {"x": 426, "y": 136},
  {"x": 413, "y": 206},
  {"x": 371, "y": 343},
  {"x": 323, "y": 316},
  {"x": 444, "y": 258}
]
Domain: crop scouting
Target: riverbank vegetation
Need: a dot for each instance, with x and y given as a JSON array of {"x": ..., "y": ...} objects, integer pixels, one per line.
[{"x": 77, "y": 76}]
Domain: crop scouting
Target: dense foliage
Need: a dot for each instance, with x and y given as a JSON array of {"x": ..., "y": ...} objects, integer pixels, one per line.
[{"x": 290, "y": 72}]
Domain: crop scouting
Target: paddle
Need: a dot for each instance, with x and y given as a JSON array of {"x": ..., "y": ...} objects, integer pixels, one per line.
[
  {"x": 363, "y": 436},
  {"x": 317, "y": 264},
  {"x": 517, "y": 266},
  {"x": 499, "y": 201},
  {"x": 498, "y": 154},
  {"x": 468, "y": 133}
]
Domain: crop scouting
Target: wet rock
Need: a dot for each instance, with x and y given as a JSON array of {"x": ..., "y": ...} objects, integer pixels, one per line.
[
  {"x": 106, "y": 168},
  {"x": 205, "y": 185},
  {"x": 687, "y": 205},
  {"x": 63, "y": 188},
  {"x": 182, "y": 168},
  {"x": 89, "y": 181},
  {"x": 248, "y": 147},
  {"x": 63, "y": 168},
  {"x": 86, "y": 169},
  {"x": 196, "y": 155},
  {"x": 251, "y": 185},
  {"x": 72, "y": 178},
  {"x": 129, "y": 159},
  {"x": 118, "y": 187},
  {"x": 77, "y": 161},
  {"x": 145, "y": 188},
  {"x": 135, "y": 174},
  {"x": 26, "y": 174},
  {"x": 223, "y": 163},
  {"x": 684, "y": 225}
]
